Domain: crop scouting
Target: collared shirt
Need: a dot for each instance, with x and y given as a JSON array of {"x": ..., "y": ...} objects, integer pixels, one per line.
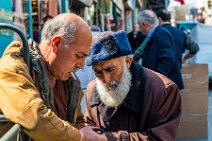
[{"x": 151, "y": 32}]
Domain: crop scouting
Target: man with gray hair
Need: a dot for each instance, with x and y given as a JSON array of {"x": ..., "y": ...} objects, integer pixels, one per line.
[
  {"x": 158, "y": 51},
  {"x": 127, "y": 102},
  {"x": 45, "y": 98}
]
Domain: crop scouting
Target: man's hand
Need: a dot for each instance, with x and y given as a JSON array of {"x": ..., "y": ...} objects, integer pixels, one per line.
[
  {"x": 90, "y": 133},
  {"x": 184, "y": 60}
]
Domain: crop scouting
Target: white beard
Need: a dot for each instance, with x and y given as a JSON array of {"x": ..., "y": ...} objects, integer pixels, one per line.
[{"x": 113, "y": 98}]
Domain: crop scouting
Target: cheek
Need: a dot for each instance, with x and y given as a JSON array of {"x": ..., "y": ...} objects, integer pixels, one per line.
[
  {"x": 69, "y": 66},
  {"x": 117, "y": 76},
  {"x": 70, "y": 60},
  {"x": 142, "y": 30}
]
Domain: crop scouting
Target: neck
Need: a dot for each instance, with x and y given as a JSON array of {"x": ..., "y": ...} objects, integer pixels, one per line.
[
  {"x": 45, "y": 50},
  {"x": 134, "y": 32},
  {"x": 167, "y": 22},
  {"x": 152, "y": 26},
  {"x": 53, "y": 80}
]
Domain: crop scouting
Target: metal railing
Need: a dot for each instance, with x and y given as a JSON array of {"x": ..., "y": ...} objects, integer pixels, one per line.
[
  {"x": 3, "y": 119},
  {"x": 12, "y": 133},
  {"x": 24, "y": 40},
  {"x": 15, "y": 129}
]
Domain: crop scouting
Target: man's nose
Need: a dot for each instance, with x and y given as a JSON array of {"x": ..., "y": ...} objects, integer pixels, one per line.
[
  {"x": 106, "y": 78},
  {"x": 81, "y": 64}
]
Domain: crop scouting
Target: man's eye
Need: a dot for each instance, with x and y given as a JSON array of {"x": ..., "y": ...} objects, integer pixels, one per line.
[
  {"x": 79, "y": 56},
  {"x": 110, "y": 69},
  {"x": 97, "y": 72}
]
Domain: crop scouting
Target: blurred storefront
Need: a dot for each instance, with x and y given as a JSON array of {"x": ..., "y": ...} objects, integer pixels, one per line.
[
  {"x": 155, "y": 5},
  {"x": 114, "y": 14},
  {"x": 106, "y": 15},
  {"x": 5, "y": 17},
  {"x": 29, "y": 15},
  {"x": 132, "y": 8}
]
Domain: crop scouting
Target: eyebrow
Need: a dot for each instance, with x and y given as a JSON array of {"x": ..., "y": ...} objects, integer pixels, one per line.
[
  {"x": 84, "y": 54},
  {"x": 109, "y": 67}
]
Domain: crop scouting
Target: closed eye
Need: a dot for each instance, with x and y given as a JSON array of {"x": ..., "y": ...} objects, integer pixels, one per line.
[
  {"x": 97, "y": 72},
  {"x": 80, "y": 56},
  {"x": 110, "y": 69}
]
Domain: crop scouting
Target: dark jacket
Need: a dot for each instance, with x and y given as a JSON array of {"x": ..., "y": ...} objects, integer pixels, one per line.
[
  {"x": 181, "y": 42},
  {"x": 152, "y": 108},
  {"x": 159, "y": 55},
  {"x": 135, "y": 41}
]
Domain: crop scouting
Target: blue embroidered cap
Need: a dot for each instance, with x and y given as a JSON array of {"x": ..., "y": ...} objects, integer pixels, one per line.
[{"x": 111, "y": 46}]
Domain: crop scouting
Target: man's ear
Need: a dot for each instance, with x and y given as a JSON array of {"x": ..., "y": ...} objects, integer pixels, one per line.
[
  {"x": 55, "y": 41},
  {"x": 129, "y": 61},
  {"x": 159, "y": 19},
  {"x": 144, "y": 24}
]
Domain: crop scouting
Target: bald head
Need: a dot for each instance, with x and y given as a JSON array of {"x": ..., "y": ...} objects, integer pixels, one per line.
[
  {"x": 148, "y": 16},
  {"x": 66, "y": 25}
]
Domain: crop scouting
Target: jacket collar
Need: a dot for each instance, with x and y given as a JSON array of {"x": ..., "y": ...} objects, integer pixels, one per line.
[
  {"x": 134, "y": 99},
  {"x": 166, "y": 24},
  {"x": 155, "y": 31},
  {"x": 152, "y": 31}
]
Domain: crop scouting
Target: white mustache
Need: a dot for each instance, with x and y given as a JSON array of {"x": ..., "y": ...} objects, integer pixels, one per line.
[{"x": 112, "y": 85}]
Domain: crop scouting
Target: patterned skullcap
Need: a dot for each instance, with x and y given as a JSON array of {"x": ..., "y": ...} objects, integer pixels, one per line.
[{"x": 108, "y": 45}]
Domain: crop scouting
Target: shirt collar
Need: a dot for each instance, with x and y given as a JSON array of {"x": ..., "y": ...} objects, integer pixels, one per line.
[{"x": 152, "y": 31}]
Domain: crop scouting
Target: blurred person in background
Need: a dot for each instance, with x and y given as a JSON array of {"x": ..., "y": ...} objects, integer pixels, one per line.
[
  {"x": 157, "y": 50},
  {"x": 46, "y": 18},
  {"x": 182, "y": 41},
  {"x": 135, "y": 37}
]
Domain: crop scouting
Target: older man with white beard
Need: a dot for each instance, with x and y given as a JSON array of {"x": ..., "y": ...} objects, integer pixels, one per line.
[{"x": 126, "y": 101}]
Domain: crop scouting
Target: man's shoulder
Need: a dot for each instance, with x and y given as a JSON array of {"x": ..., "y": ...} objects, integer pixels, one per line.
[
  {"x": 157, "y": 80},
  {"x": 15, "y": 46},
  {"x": 140, "y": 35},
  {"x": 163, "y": 34},
  {"x": 12, "y": 55},
  {"x": 129, "y": 34},
  {"x": 91, "y": 86},
  {"x": 174, "y": 30},
  {"x": 159, "y": 86},
  {"x": 161, "y": 31},
  {"x": 12, "y": 60}
]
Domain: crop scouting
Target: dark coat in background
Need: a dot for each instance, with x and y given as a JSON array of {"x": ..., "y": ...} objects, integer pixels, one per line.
[
  {"x": 135, "y": 40},
  {"x": 152, "y": 108},
  {"x": 160, "y": 56},
  {"x": 181, "y": 42}
]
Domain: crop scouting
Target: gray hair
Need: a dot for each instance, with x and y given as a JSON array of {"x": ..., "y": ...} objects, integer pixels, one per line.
[
  {"x": 59, "y": 26},
  {"x": 148, "y": 16}
]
